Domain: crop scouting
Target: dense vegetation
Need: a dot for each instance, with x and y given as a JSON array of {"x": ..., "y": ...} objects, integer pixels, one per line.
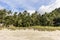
[{"x": 25, "y": 19}]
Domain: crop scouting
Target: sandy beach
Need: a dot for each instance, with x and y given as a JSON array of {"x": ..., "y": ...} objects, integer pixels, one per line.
[{"x": 29, "y": 34}]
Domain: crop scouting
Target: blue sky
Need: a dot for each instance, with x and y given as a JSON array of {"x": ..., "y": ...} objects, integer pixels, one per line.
[{"x": 21, "y": 5}]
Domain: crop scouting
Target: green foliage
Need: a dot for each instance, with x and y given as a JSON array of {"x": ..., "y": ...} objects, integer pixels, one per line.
[
  {"x": 25, "y": 19},
  {"x": 56, "y": 22}
]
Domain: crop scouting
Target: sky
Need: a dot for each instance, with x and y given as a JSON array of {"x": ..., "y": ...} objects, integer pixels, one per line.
[{"x": 30, "y": 5}]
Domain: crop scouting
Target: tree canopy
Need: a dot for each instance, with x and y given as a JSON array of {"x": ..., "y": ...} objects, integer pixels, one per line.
[{"x": 25, "y": 19}]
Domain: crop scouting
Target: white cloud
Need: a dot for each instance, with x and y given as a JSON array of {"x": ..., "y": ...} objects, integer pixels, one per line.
[
  {"x": 50, "y": 7},
  {"x": 1, "y": 7},
  {"x": 14, "y": 4},
  {"x": 28, "y": 5},
  {"x": 31, "y": 11}
]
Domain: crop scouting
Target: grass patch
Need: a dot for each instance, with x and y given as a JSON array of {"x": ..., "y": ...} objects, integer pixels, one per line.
[
  {"x": 39, "y": 28},
  {"x": 46, "y": 28}
]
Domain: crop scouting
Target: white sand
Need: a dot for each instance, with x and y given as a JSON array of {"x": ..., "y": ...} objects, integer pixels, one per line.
[{"x": 29, "y": 35}]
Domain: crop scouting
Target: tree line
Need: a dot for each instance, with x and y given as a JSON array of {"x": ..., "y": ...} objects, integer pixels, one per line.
[{"x": 25, "y": 19}]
